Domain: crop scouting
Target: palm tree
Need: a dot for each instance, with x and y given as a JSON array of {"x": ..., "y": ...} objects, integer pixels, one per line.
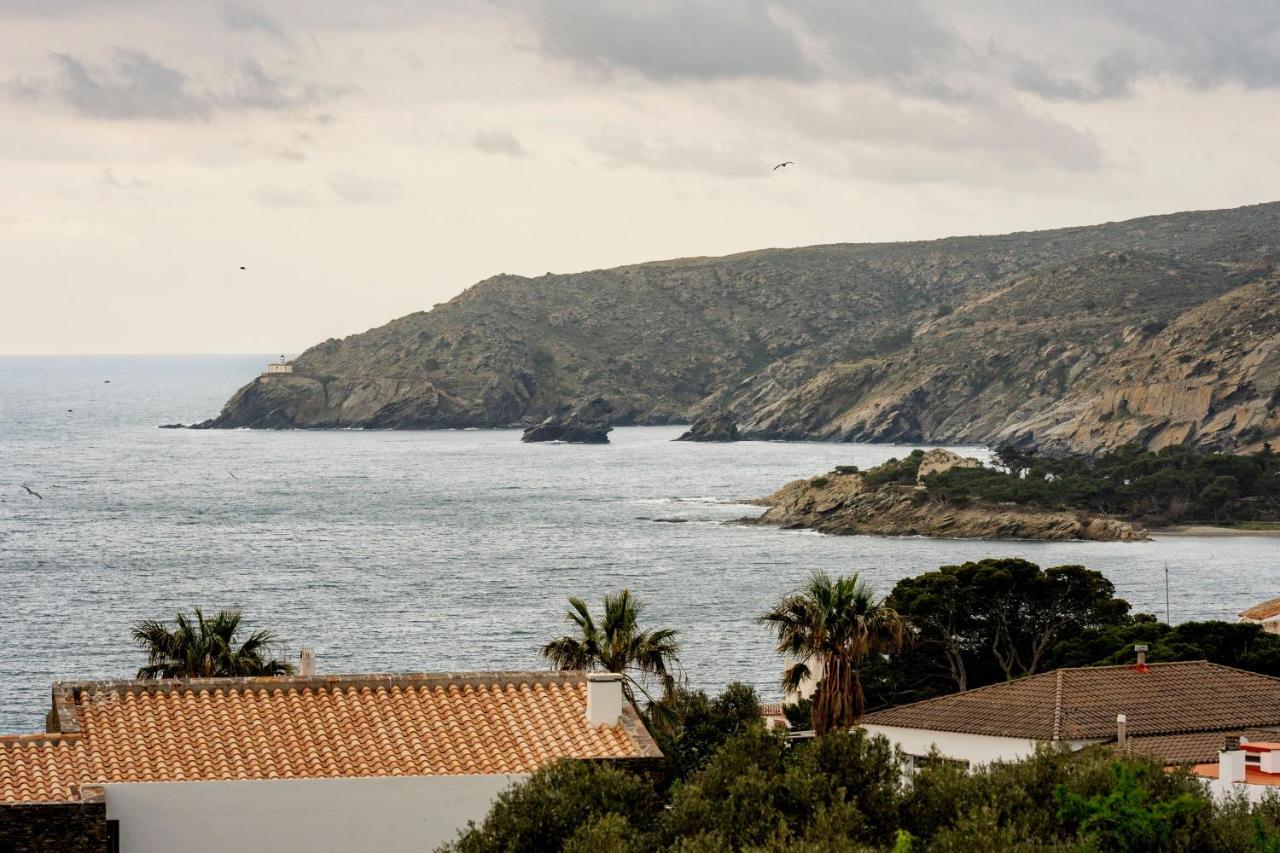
[
  {"x": 617, "y": 644},
  {"x": 206, "y": 648},
  {"x": 835, "y": 624}
]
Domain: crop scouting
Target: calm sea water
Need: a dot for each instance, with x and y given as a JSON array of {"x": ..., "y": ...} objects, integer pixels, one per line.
[{"x": 411, "y": 551}]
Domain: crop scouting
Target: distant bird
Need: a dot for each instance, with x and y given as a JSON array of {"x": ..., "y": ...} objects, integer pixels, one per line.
[
  {"x": 233, "y": 476},
  {"x": 32, "y": 491},
  {"x": 106, "y": 381},
  {"x": 780, "y": 165},
  {"x": 241, "y": 267}
]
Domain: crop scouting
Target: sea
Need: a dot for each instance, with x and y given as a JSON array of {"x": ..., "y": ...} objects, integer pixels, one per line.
[{"x": 435, "y": 550}]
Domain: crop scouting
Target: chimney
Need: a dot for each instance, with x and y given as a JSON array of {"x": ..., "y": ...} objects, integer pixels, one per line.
[
  {"x": 1141, "y": 649},
  {"x": 1231, "y": 760},
  {"x": 1122, "y": 733},
  {"x": 307, "y": 662},
  {"x": 604, "y": 698}
]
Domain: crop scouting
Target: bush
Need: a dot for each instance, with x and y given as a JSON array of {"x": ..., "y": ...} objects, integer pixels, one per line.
[{"x": 556, "y": 804}]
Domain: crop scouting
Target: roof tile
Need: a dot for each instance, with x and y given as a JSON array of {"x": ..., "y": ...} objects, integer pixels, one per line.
[
  {"x": 313, "y": 727},
  {"x": 1082, "y": 703}
]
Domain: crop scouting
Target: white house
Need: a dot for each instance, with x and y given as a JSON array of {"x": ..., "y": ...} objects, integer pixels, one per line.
[
  {"x": 281, "y": 366},
  {"x": 1249, "y": 767},
  {"x": 1266, "y": 614},
  {"x": 315, "y": 763},
  {"x": 1179, "y": 713}
]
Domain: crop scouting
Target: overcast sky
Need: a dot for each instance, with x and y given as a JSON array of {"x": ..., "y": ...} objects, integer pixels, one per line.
[{"x": 367, "y": 159}]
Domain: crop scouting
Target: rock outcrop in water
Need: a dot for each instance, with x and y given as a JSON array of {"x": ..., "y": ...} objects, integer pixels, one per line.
[
  {"x": 1160, "y": 330},
  {"x": 719, "y": 426},
  {"x": 844, "y": 504},
  {"x": 586, "y": 423}
]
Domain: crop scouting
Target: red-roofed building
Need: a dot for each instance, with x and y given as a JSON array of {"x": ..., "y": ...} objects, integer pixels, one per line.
[{"x": 338, "y": 763}]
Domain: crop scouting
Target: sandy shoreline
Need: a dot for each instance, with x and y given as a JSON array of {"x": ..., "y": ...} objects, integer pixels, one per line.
[{"x": 1208, "y": 530}]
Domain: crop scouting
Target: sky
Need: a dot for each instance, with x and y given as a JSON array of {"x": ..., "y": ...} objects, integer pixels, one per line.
[{"x": 365, "y": 160}]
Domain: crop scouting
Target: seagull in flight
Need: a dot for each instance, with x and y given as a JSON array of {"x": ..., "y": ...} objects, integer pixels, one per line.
[
  {"x": 32, "y": 491},
  {"x": 784, "y": 163}
]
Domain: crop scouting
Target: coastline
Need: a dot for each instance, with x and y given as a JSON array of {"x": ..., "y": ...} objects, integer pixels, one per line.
[{"x": 1209, "y": 530}]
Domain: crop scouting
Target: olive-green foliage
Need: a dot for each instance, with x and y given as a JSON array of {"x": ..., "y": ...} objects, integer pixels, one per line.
[
  {"x": 845, "y": 793},
  {"x": 895, "y": 471},
  {"x": 758, "y": 792},
  {"x": 1132, "y": 816},
  {"x": 1242, "y": 645},
  {"x": 558, "y": 803},
  {"x": 705, "y": 724},
  {"x": 1174, "y": 484}
]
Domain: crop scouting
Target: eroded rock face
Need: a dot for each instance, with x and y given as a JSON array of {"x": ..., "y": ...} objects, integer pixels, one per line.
[
  {"x": 842, "y": 504},
  {"x": 715, "y": 427},
  {"x": 585, "y": 423},
  {"x": 1159, "y": 331}
]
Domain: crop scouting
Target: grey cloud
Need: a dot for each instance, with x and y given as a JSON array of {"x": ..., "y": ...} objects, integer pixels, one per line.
[
  {"x": 1099, "y": 49},
  {"x": 136, "y": 86},
  {"x": 256, "y": 89},
  {"x": 498, "y": 142},
  {"x": 1112, "y": 77},
  {"x": 365, "y": 189},
  {"x": 707, "y": 39},
  {"x": 243, "y": 19},
  {"x": 1208, "y": 44},
  {"x": 669, "y": 39}
]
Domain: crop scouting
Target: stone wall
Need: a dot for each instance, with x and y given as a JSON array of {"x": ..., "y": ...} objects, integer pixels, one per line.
[{"x": 53, "y": 828}]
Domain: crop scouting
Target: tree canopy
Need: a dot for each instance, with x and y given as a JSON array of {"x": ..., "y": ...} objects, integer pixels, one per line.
[
  {"x": 828, "y": 630},
  {"x": 616, "y": 643},
  {"x": 202, "y": 647},
  {"x": 1173, "y": 484}
]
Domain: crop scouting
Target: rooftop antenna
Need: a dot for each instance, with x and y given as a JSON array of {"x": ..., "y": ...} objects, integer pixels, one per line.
[{"x": 1168, "y": 620}]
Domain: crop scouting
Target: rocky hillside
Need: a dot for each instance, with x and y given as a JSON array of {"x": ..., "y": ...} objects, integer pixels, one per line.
[{"x": 1160, "y": 330}]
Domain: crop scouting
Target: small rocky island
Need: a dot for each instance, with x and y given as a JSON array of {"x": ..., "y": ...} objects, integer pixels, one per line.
[
  {"x": 894, "y": 500},
  {"x": 588, "y": 422},
  {"x": 719, "y": 426}
]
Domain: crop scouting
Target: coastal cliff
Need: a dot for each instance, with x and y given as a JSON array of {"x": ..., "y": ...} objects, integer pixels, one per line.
[{"x": 1158, "y": 331}]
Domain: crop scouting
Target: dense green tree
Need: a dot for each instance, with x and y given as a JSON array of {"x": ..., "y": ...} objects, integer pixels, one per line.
[
  {"x": 704, "y": 724},
  {"x": 617, "y": 644},
  {"x": 1002, "y": 613},
  {"x": 846, "y": 793},
  {"x": 829, "y": 629},
  {"x": 563, "y": 801},
  {"x": 206, "y": 648},
  {"x": 1176, "y": 483},
  {"x": 1242, "y": 645}
]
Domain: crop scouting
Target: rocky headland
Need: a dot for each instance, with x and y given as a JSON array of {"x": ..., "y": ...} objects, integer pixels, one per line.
[
  {"x": 1158, "y": 331},
  {"x": 588, "y": 422},
  {"x": 845, "y": 502},
  {"x": 718, "y": 426}
]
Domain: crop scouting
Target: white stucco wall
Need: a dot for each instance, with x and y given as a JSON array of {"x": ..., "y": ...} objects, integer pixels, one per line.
[
  {"x": 975, "y": 749},
  {"x": 385, "y": 814}
]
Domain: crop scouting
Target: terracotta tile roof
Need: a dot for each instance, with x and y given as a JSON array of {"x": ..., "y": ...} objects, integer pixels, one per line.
[
  {"x": 1252, "y": 776},
  {"x": 1081, "y": 704},
  {"x": 310, "y": 727},
  {"x": 1265, "y": 610},
  {"x": 1190, "y": 747}
]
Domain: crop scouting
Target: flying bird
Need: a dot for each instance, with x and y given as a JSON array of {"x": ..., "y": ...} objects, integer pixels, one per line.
[
  {"x": 241, "y": 267},
  {"x": 32, "y": 491},
  {"x": 233, "y": 476},
  {"x": 785, "y": 163}
]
